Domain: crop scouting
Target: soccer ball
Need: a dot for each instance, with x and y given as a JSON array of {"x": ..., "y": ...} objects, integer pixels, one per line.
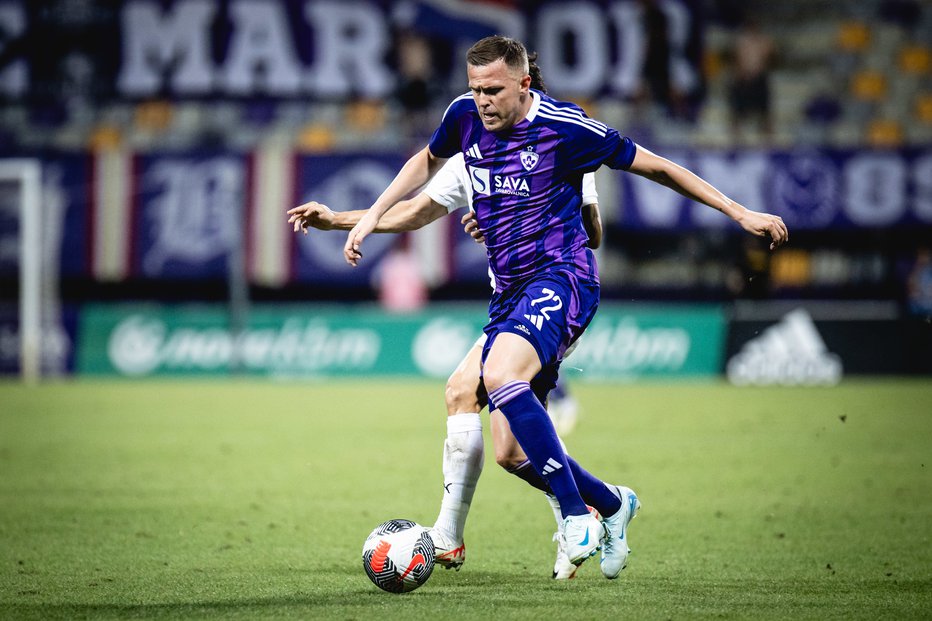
[{"x": 398, "y": 556}]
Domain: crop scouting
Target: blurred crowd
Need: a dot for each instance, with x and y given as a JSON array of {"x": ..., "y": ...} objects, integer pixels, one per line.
[{"x": 841, "y": 73}]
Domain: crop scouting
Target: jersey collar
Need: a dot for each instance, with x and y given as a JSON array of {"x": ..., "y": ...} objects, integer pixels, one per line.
[{"x": 535, "y": 104}]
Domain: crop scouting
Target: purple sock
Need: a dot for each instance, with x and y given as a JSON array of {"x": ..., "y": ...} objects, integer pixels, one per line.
[
  {"x": 525, "y": 470},
  {"x": 535, "y": 433},
  {"x": 593, "y": 490}
]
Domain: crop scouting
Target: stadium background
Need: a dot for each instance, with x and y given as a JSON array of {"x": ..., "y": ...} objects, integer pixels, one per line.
[
  {"x": 173, "y": 136},
  {"x": 157, "y": 472}
]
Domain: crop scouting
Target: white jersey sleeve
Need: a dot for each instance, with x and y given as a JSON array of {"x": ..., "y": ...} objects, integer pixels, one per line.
[
  {"x": 450, "y": 187},
  {"x": 589, "y": 194}
]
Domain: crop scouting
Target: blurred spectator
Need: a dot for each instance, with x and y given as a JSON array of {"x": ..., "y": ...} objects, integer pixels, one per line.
[
  {"x": 919, "y": 285},
  {"x": 750, "y": 88},
  {"x": 906, "y": 14},
  {"x": 656, "y": 69},
  {"x": 750, "y": 276},
  {"x": 400, "y": 282},
  {"x": 415, "y": 92}
]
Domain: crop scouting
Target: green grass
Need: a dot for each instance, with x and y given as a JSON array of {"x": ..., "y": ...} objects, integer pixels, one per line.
[{"x": 251, "y": 500}]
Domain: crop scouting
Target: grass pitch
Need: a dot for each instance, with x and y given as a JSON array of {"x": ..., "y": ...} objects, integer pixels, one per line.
[{"x": 251, "y": 500}]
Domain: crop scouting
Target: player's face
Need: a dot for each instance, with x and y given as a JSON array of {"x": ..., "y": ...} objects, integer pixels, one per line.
[{"x": 500, "y": 94}]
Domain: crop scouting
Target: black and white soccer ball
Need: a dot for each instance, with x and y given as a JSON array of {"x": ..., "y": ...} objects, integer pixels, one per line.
[{"x": 398, "y": 556}]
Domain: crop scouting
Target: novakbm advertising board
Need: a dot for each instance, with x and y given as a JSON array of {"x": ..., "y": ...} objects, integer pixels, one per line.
[{"x": 331, "y": 341}]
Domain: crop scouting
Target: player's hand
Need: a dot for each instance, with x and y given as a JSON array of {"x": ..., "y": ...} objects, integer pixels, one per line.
[
  {"x": 312, "y": 214},
  {"x": 356, "y": 236},
  {"x": 765, "y": 225},
  {"x": 471, "y": 226}
]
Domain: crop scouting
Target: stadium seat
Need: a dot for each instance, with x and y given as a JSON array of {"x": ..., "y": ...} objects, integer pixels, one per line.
[
  {"x": 105, "y": 137},
  {"x": 884, "y": 133},
  {"x": 712, "y": 64},
  {"x": 915, "y": 59},
  {"x": 153, "y": 116},
  {"x": 923, "y": 108},
  {"x": 791, "y": 268},
  {"x": 869, "y": 85},
  {"x": 366, "y": 116},
  {"x": 315, "y": 138},
  {"x": 853, "y": 37}
]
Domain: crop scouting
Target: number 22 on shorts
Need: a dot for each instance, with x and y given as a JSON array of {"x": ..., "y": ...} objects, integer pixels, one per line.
[{"x": 555, "y": 304}]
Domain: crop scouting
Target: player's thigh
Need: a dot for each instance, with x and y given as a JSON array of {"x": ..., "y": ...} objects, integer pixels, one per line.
[
  {"x": 511, "y": 357},
  {"x": 464, "y": 391}
]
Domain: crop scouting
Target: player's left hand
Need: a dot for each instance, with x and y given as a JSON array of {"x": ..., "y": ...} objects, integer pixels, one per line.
[
  {"x": 351, "y": 249},
  {"x": 312, "y": 214},
  {"x": 765, "y": 225},
  {"x": 471, "y": 226}
]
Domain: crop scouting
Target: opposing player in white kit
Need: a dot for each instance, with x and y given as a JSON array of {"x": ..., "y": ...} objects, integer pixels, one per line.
[{"x": 465, "y": 396}]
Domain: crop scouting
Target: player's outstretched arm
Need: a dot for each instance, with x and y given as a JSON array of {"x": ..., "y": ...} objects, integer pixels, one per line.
[
  {"x": 407, "y": 215},
  {"x": 416, "y": 172},
  {"x": 690, "y": 185}
]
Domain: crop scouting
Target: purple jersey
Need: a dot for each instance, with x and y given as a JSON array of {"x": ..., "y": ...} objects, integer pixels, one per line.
[{"x": 527, "y": 182}]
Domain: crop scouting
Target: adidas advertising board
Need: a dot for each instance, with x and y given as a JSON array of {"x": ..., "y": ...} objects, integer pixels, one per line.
[
  {"x": 814, "y": 343},
  {"x": 789, "y": 352}
]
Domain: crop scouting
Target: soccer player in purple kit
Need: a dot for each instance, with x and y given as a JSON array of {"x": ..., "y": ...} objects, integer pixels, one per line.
[{"x": 526, "y": 154}]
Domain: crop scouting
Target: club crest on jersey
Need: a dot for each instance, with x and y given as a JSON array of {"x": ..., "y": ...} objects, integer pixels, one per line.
[{"x": 529, "y": 159}]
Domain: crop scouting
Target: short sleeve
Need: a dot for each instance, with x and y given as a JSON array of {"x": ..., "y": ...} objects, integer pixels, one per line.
[
  {"x": 589, "y": 193},
  {"x": 447, "y": 188},
  {"x": 607, "y": 148},
  {"x": 445, "y": 141}
]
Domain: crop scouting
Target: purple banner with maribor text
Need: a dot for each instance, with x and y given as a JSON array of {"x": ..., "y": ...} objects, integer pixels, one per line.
[{"x": 320, "y": 49}]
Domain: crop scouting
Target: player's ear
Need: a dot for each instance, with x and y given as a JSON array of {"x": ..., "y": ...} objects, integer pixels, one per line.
[{"x": 525, "y": 83}]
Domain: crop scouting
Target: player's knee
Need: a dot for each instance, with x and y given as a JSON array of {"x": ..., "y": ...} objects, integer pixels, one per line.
[
  {"x": 460, "y": 395},
  {"x": 494, "y": 377}
]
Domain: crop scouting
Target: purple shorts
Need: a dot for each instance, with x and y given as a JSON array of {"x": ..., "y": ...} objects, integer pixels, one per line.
[{"x": 550, "y": 310}]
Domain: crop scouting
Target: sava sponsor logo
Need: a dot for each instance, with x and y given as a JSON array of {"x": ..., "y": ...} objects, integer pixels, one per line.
[
  {"x": 140, "y": 345},
  {"x": 791, "y": 352},
  {"x": 483, "y": 182},
  {"x": 626, "y": 347}
]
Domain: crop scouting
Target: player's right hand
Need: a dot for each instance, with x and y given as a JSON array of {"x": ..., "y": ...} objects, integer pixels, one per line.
[
  {"x": 471, "y": 226},
  {"x": 312, "y": 214},
  {"x": 765, "y": 225}
]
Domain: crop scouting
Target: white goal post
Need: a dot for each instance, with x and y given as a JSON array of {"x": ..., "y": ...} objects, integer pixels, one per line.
[{"x": 28, "y": 174}]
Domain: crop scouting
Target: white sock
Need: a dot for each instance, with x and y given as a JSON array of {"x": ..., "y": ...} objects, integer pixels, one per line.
[
  {"x": 555, "y": 505},
  {"x": 463, "y": 454}
]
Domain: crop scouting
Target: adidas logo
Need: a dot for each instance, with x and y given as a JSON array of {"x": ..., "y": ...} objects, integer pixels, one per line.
[
  {"x": 537, "y": 320},
  {"x": 791, "y": 352},
  {"x": 474, "y": 151},
  {"x": 552, "y": 465},
  {"x": 522, "y": 328}
]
